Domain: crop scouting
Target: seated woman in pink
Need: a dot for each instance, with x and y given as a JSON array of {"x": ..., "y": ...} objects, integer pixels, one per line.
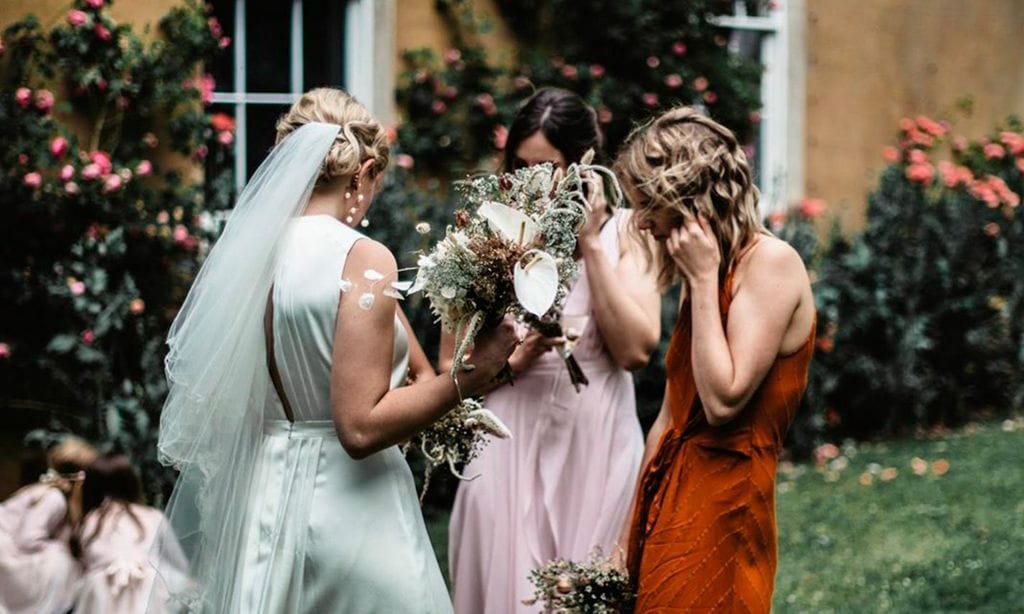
[
  {"x": 38, "y": 575},
  {"x": 115, "y": 541}
]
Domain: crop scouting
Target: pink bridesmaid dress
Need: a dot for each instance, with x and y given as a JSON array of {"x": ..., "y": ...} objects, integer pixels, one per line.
[
  {"x": 562, "y": 486},
  {"x": 119, "y": 568},
  {"x": 38, "y": 575}
]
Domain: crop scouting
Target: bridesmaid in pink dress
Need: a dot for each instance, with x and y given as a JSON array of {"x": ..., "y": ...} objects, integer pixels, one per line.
[
  {"x": 115, "y": 544},
  {"x": 562, "y": 487},
  {"x": 38, "y": 574}
]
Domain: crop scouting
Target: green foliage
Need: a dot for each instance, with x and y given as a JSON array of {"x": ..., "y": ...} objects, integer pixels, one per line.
[
  {"x": 921, "y": 317},
  {"x": 98, "y": 239}
]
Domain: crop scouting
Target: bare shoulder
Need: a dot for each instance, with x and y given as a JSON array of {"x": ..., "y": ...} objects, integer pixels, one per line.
[
  {"x": 367, "y": 253},
  {"x": 772, "y": 264}
]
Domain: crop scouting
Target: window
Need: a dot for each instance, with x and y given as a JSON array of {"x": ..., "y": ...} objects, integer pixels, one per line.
[
  {"x": 762, "y": 30},
  {"x": 280, "y": 49}
]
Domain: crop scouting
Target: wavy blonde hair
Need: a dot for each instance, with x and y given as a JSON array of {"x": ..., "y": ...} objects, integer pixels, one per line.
[
  {"x": 690, "y": 164},
  {"x": 361, "y": 137}
]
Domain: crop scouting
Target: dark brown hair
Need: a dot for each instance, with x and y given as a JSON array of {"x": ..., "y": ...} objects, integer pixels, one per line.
[
  {"x": 110, "y": 482},
  {"x": 568, "y": 123}
]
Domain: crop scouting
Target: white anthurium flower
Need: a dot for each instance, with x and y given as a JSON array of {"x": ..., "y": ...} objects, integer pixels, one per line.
[
  {"x": 395, "y": 294},
  {"x": 366, "y": 300},
  {"x": 345, "y": 285},
  {"x": 401, "y": 286},
  {"x": 536, "y": 284},
  {"x": 372, "y": 275},
  {"x": 514, "y": 225},
  {"x": 420, "y": 283}
]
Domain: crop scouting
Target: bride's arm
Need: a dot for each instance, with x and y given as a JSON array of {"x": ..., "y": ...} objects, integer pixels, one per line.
[{"x": 368, "y": 416}]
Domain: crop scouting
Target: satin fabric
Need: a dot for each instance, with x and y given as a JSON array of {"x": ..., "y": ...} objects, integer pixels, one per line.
[
  {"x": 325, "y": 532},
  {"x": 561, "y": 488}
]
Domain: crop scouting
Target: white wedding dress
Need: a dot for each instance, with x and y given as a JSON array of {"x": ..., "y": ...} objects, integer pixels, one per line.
[{"x": 325, "y": 532}]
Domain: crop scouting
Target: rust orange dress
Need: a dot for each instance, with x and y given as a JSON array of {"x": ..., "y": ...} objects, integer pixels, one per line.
[{"x": 703, "y": 535}]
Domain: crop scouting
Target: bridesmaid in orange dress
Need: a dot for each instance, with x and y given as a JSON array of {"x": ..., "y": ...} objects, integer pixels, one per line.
[{"x": 703, "y": 534}]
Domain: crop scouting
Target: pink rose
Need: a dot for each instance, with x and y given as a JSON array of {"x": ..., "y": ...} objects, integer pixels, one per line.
[
  {"x": 679, "y": 48},
  {"x": 405, "y": 161},
  {"x": 826, "y": 452},
  {"x": 890, "y": 154},
  {"x": 981, "y": 190},
  {"x": 918, "y": 157},
  {"x": 102, "y": 32},
  {"x": 500, "y": 136},
  {"x": 32, "y": 180},
  {"x": 673, "y": 81},
  {"x": 214, "y": 24},
  {"x": 754, "y": 117},
  {"x": 931, "y": 126},
  {"x": 71, "y": 188},
  {"x": 144, "y": 168},
  {"x": 569, "y": 71},
  {"x": 225, "y": 138},
  {"x": 907, "y": 124},
  {"x": 224, "y": 42},
  {"x": 58, "y": 147},
  {"x": 102, "y": 160},
  {"x": 23, "y": 96},
  {"x": 777, "y": 219},
  {"x": 993, "y": 151},
  {"x": 604, "y": 115},
  {"x": 650, "y": 99},
  {"x": 653, "y": 61},
  {"x": 700, "y": 84},
  {"x": 113, "y": 183},
  {"x": 22, "y": 159},
  {"x": 91, "y": 172},
  {"x": 77, "y": 287},
  {"x": 163, "y": 217},
  {"x": 812, "y": 207},
  {"x": 201, "y": 152},
  {"x": 959, "y": 144},
  {"x": 77, "y": 18},
  {"x": 452, "y": 55},
  {"x": 920, "y": 173},
  {"x": 596, "y": 71},
  {"x": 5, "y": 350},
  {"x": 67, "y": 172},
  {"x": 180, "y": 233},
  {"x": 137, "y": 306},
  {"x": 710, "y": 97},
  {"x": 206, "y": 85},
  {"x": 1013, "y": 141},
  {"x": 1020, "y": 164},
  {"x": 439, "y": 107},
  {"x": 88, "y": 337},
  {"x": 44, "y": 100},
  {"x": 94, "y": 4}
]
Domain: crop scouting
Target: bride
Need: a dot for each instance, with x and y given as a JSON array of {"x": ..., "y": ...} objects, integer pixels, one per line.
[{"x": 285, "y": 405}]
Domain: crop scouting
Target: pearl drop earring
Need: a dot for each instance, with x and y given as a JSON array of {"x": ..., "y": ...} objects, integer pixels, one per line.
[
  {"x": 359, "y": 198},
  {"x": 364, "y": 223},
  {"x": 349, "y": 218},
  {"x": 348, "y": 195}
]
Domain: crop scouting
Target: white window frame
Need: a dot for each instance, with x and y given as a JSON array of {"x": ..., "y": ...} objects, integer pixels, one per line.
[
  {"x": 780, "y": 158},
  {"x": 368, "y": 52}
]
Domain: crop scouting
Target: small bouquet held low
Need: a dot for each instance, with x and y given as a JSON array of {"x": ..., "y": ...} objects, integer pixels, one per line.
[
  {"x": 597, "y": 586},
  {"x": 509, "y": 251}
]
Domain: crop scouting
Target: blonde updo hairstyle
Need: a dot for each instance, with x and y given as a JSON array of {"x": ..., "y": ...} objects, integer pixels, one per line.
[
  {"x": 361, "y": 137},
  {"x": 690, "y": 164}
]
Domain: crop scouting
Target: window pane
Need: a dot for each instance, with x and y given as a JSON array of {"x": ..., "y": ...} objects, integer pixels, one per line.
[
  {"x": 323, "y": 49},
  {"x": 268, "y": 27},
  {"x": 260, "y": 135},
  {"x": 223, "y": 67}
]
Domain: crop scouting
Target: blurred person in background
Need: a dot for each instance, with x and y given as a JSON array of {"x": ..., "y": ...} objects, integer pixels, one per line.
[
  {"x": 114, "y": 541},
  {"x": 38, "y": 573}
]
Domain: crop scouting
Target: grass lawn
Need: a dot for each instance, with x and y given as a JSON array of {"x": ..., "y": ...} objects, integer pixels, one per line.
[{"x": 866, "y": 533}]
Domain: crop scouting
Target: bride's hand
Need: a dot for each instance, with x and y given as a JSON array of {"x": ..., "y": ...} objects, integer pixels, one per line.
[{"x": 490, "y": 353}]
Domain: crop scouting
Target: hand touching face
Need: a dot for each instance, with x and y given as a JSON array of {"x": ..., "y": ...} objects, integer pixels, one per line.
[{"x": 694, "y": 249}]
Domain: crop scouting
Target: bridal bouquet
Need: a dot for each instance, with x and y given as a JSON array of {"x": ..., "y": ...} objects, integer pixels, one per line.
[
  {"x": 595, "y": 587},
  {"x": 510, "y": 250},
  {"x": 457, "y": 438}
]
